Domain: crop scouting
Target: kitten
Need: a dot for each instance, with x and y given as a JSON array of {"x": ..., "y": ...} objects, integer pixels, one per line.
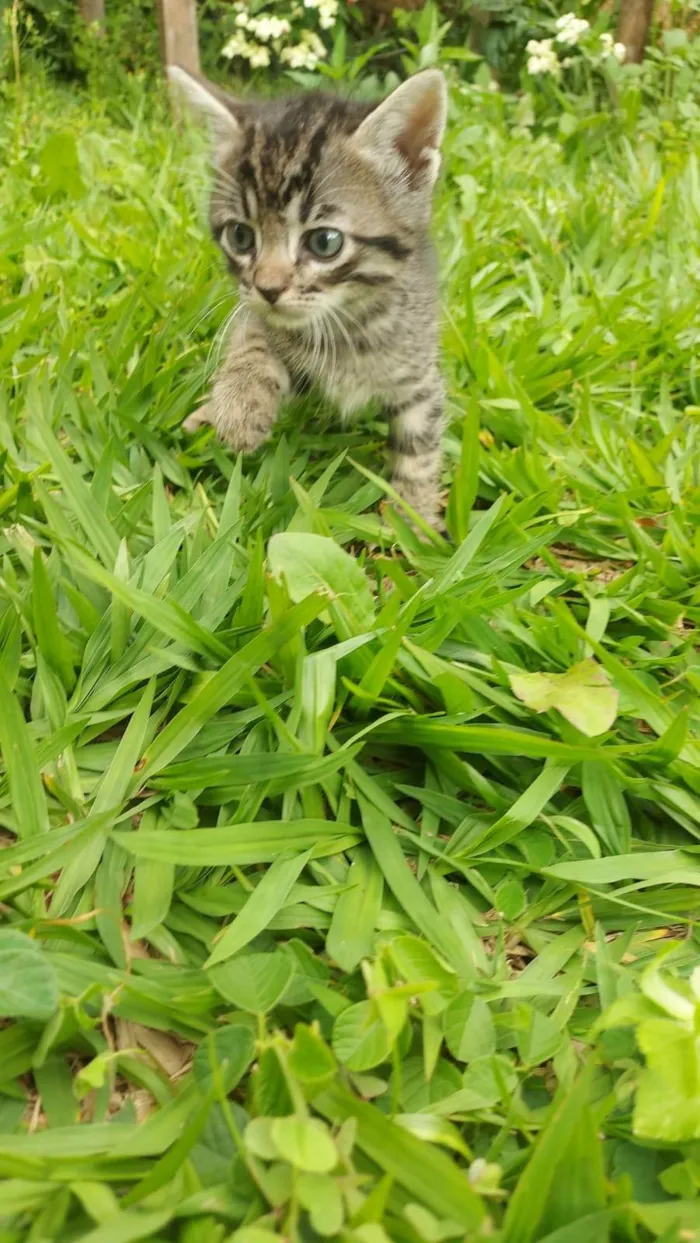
[{"x": 322, "y": 208}]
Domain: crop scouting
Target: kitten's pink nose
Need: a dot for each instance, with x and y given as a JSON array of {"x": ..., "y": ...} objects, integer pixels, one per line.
[{"x": 270, "y": 292}]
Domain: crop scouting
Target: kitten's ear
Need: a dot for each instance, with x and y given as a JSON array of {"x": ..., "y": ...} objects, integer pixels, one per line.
[
  {"x": 408, "y": 126},
  {"x": 208, "y": 100}
]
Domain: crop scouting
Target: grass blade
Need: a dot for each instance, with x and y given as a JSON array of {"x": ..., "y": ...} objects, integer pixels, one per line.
[
  {"x": 239, "y": 844},
  {"x": 31, "y": 814},
  {"x": 224, "y": 684},
  {"x": 269, "y": 895}
]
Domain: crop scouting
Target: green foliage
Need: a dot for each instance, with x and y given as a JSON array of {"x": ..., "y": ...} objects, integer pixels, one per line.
[
  {"x": 53, "y": 32},
  {"x": 28, "y": 986},
  {"x": 316, "y": 921}
]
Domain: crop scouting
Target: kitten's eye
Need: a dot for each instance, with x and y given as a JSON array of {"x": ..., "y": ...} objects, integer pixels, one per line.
[
  {"x": 324, "y": 243},
  {"x": 240, "y": 237}
]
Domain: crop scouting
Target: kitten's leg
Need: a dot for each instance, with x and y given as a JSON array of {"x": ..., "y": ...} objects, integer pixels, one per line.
[
  {"x": 197, "y": 418},
  {"x": 247, "y": 392},
  {"x": 415, "y": 429}
]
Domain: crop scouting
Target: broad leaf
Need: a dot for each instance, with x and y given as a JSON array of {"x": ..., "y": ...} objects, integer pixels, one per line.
[
  {"x": 253, "y": 982},
  {"x": 223, "y": 1057},
  {"x": 667, "y": 1105},
  {"x": 584, "y": 695},
  {"x": 305, "y": 1143},
  {"x": 307, "y": 562},
  {"x": 359, "y": 1037},
  {"x": 28, "y": 986}
]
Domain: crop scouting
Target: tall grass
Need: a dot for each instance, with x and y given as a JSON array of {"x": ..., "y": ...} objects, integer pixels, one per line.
[{"x": 337, "y": 861}]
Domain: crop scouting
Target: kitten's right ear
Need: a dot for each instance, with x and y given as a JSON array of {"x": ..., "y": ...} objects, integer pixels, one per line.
[
  {"x": 208, "y": 100},
  {"x": 403, "y": 133}
]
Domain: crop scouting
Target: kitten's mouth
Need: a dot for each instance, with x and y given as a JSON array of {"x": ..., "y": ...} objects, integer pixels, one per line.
[{"x": 283, "y": 316}]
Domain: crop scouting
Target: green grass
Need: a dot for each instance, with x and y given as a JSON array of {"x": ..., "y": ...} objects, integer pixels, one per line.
[{"x": 306, "y": 913}]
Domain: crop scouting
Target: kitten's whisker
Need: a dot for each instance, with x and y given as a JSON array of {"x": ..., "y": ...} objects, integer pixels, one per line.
[
  {"x": 312, "y": 360},
  {"x": 323, "y": 363},
  {"x": 332, "y": 343},
  {"x": 208, "y": 311},
  {"x": 355, "y": 324},
  {"x": 317, "y": 330},
  {"x": 321, "y": 346},
  {"x": 339, "y": 324},
  {"x": 220, "y": 337}
]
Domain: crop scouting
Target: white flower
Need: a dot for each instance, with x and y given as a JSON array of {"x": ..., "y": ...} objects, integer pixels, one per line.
[
  {"x": 242, "y": 19},
  {"x": 542, "y": 57},
  {"x": 311, "y": 40},
  {"x": 327, "y": 13},
  {"x": 540, "y": 47},
  {"x": 269, "y": 27},
  {"x": 570, "y": 28},
  {"x": 537, "y": 65},
  {"x": 609, "y": 48},
  {"x": 236, "y": 46},
  {"x": 258, "y": 57},
  {"x": 298, "y": 56}
]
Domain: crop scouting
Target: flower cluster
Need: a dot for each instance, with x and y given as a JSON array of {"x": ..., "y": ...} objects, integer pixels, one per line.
[
  {"x": 257, "y": 55},
  {"x": 608, "y": 47},
  {"x": 263, "y": 27},
  {"x": 570, "y": 28},
  {"x": 306, "y": 53},
  {"x": 327, "y": 11},
  {"x": 542, "y": 57},
  {"x": 265, "y": 37}
]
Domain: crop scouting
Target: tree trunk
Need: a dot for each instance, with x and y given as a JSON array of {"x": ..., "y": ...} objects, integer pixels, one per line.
[
  {"x": 93, "y": 12},
  {"x": 178, "y": 33},
  {"x": 384, "y": 7},
  {"x": 633, "y": 27},
  {"x": 479, "y": 22}
]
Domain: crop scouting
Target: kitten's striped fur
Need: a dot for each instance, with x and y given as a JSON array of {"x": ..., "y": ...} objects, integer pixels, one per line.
[{"x": 362, "y": 324}]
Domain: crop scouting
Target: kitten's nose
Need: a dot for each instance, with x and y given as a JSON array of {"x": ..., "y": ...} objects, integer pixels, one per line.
[{"x": 270, "y": 292}]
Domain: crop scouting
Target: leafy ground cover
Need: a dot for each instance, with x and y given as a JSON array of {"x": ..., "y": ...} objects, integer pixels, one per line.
[{"x": 337, "y": 862}]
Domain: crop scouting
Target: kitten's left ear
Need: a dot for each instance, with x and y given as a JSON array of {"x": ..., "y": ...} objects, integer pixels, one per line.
[{"x": 407, "y": 128}]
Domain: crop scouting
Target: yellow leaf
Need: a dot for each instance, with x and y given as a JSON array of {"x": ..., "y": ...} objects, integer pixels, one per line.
[{"x": 583, "y": 695}]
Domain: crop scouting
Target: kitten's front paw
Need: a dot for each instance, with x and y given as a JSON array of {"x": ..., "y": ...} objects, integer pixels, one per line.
[
  {"x": 421, "y": 496},
  {"x": 198, "y": 418},
  {"x": 245, "y": 429}
]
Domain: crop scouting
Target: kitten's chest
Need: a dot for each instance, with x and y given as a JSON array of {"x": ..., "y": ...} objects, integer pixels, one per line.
[
  {"x": 349, "y": 385},
  {"x": 349, "y": 378}
]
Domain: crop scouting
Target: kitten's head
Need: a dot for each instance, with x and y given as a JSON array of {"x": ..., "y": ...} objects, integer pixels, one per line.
[{"x": 319, "y": 202}]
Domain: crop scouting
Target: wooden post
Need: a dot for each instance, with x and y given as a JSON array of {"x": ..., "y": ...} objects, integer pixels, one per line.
[
  {"x": 634, "y": 21},
  {"x": 178, "y": 33},
  {"x": 93, "y": 12}
]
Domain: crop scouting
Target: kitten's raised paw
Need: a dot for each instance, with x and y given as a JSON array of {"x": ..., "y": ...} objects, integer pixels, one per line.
[
  {"x": 241, "y": 434},
  {"x": 198, "y": 418},
  {"x": 244, "y": 436},
  {"x": 246, "y": 429}
]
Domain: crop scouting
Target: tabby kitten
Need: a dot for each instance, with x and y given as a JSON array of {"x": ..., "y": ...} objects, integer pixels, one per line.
[{"x": 322, "y": 207}]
